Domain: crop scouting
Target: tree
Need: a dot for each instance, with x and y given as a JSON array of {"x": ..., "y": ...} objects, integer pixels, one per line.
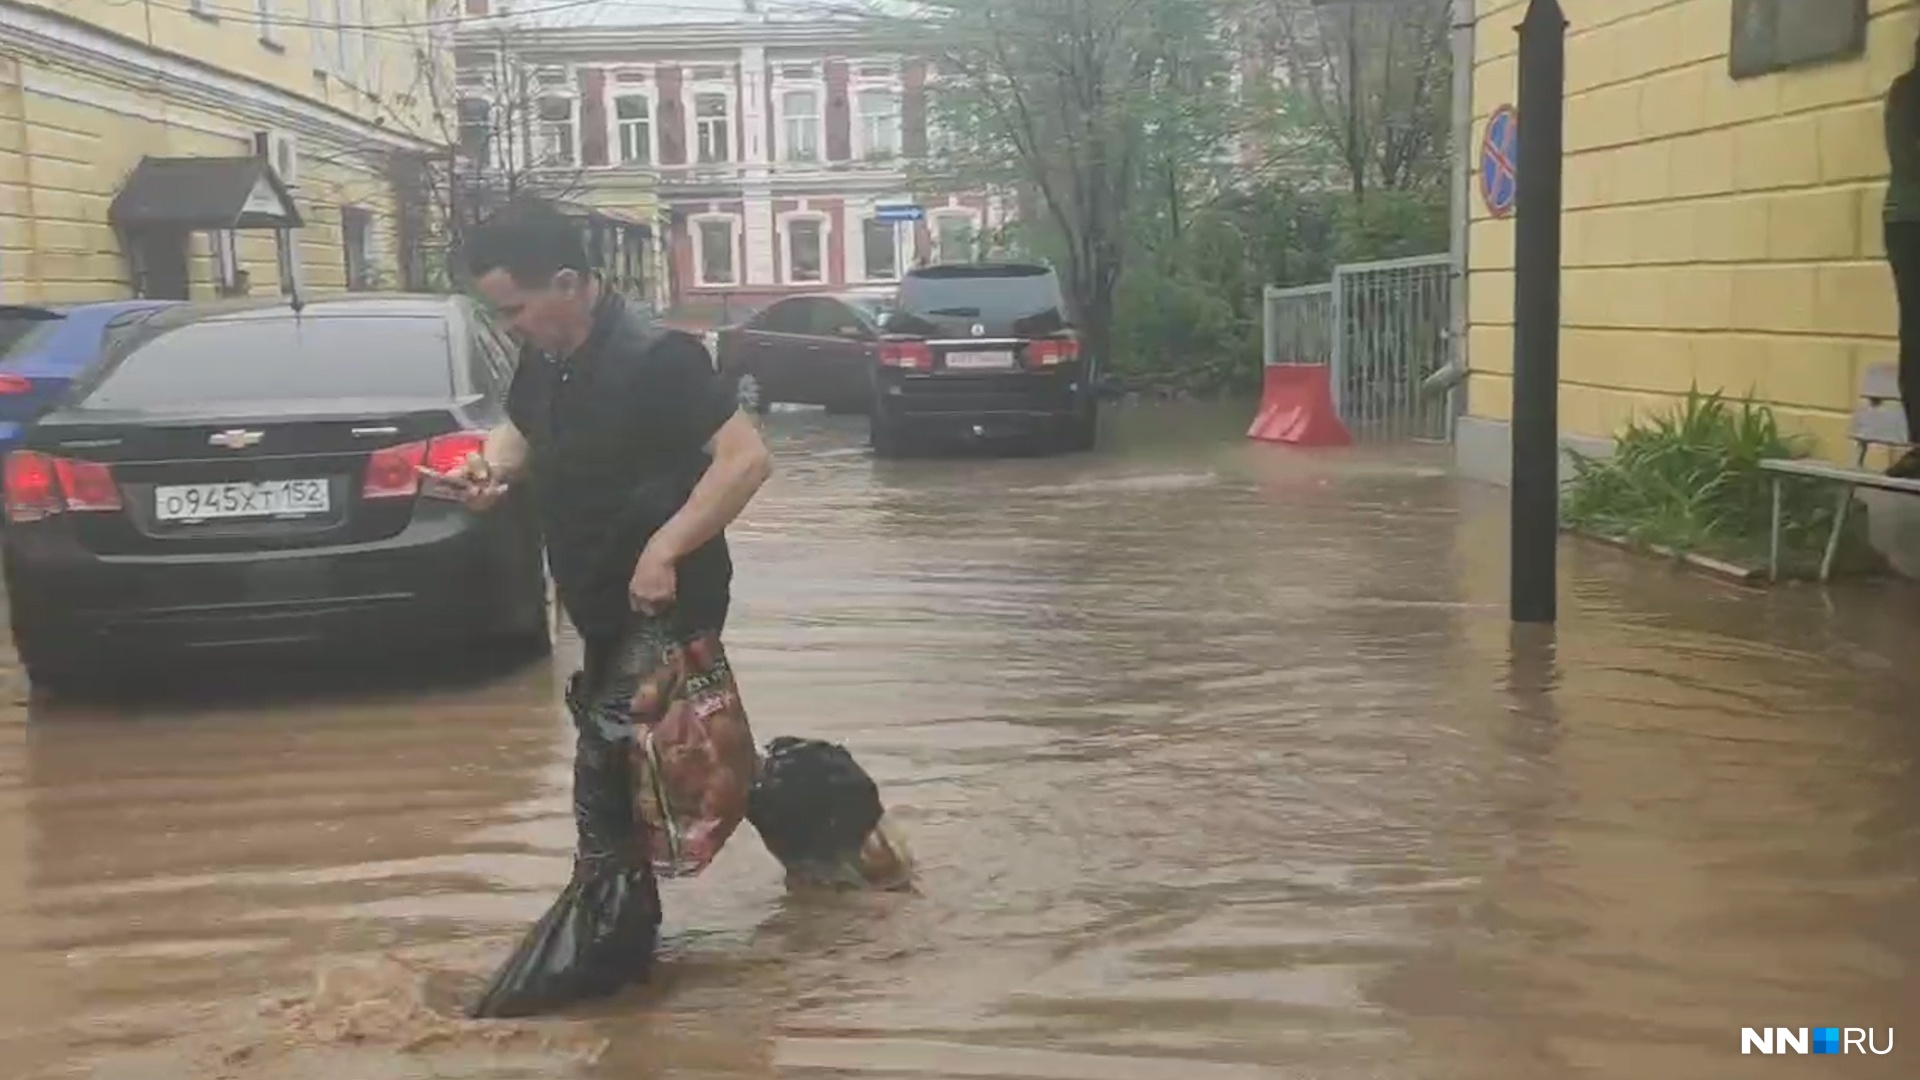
[
  {"x": 1081, "y": 107},
  {"x": 1371, "y": 82}
]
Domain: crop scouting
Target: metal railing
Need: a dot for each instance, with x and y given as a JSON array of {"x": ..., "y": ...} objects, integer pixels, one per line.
[{"x": 1382, "y": 328}]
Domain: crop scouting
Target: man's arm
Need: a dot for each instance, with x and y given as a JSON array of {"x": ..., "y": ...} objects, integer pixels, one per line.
[{"x": 741, "y": 463}]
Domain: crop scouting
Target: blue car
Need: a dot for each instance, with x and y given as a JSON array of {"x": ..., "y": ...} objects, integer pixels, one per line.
[{"x": 43, "y": 349}]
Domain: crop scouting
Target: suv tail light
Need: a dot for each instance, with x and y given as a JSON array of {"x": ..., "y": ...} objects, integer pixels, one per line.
[
  {"x": 394, "y": 472},
  {"x": 906, "y": 355},
  {"x": 41, "y": 485},
  {"x": 1050, "y": 351}
]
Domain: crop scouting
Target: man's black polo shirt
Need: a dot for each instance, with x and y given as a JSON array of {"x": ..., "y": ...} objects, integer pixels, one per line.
[{"x": 618, "y": 433}]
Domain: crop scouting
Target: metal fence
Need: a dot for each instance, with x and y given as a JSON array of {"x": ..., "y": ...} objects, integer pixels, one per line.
[{"x": 1382, "y": 328}]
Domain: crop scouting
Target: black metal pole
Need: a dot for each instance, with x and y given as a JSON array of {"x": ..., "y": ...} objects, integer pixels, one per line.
[{"x": 1536, "y": 316}]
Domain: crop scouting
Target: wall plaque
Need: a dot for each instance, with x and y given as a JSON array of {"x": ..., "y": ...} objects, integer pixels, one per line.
[{"x": 1781, "y": 35}]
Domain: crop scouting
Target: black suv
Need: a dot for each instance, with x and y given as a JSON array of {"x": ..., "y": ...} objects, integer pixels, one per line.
[{"x": 982, "y": 350}]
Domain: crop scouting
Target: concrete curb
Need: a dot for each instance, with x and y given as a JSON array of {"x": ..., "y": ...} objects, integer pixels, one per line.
[{"x": 1746, "y": 575}]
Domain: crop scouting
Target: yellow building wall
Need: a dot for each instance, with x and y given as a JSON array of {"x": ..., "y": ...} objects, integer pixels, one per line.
[
  {"x": 69, "y": 138},
  {"x": 372, "y": 70},
  {"x": 1716, "y": 233}
]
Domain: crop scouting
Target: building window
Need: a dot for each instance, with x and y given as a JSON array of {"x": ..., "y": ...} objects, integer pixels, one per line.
[
  {"x": 711, "y": 129},
  {"x": 356, "y": 243},
  {"x": 879, "y": 124},
  {"x": 633, "y": 114},
  {"x": 801, "y": 109},
  {"x": 880, "y": 250},
  {"x": 202, "y": 8},
  {"x": 317, "y": 23},
  {"x": 227, "y": 270},
  {"x": 476, "y": 130},
  {"x": 713, "y": 250},
  {"x": 342, "y": 19},
  {"x": 269, "y": 20},
  {"x": 954, "y": 237},
  {"x": 555, "y": 132},
  {"x": 806, "y": 249}
]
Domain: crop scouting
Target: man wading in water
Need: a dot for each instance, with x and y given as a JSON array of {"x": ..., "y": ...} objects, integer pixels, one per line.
[{"x": 638, "y": 458}]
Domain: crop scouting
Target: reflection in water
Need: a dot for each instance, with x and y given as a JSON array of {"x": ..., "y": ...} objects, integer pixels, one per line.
[{"x": 1219, "y": 760}]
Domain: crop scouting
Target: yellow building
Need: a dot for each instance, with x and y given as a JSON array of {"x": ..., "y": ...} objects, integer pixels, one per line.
[
  {"x": 155, "y": 147},
  {"x": 1721, "y": 229}
]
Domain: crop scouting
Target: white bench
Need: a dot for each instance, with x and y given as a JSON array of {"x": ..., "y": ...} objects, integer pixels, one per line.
[{"x": 1878, "y": 421}]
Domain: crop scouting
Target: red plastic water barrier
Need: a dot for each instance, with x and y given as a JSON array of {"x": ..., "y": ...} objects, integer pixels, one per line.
[{"x": 1296, "y": 407}]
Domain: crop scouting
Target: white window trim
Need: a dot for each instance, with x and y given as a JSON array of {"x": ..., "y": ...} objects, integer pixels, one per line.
[
  {"x": 858, "y": 122},
  {"x": 698, "y": 238},
  {"x": 266, "y": 15},
  {"x": 856, "y": 245},
  {"x": 689, "y": 94},
  {"x": 536, "y": 158},
  {"x": 783, "y": 254},
  {"x": 615, "y": 144},
  {"x": 969, "y": 214},
  {"x": 612, "y": 89},
  {"x": 781, "y": 88}
]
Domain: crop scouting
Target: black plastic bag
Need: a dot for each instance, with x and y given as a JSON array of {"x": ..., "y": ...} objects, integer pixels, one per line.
[
  {"x": 820, "y": 814},
  {"x": 600, "y": 933}
]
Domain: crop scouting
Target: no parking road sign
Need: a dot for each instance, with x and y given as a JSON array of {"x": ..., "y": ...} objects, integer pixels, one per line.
[{"x": 1499, "y": 147}]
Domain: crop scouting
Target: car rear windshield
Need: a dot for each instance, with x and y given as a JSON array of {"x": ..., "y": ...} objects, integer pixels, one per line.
[
  {"x": 998, "y": 293},
  {"x": 21, "y": 333},
  {"x": 282, "y": 359}
]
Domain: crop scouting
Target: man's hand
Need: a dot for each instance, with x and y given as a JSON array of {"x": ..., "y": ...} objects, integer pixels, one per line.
[
  {"x": 651, "y": 590},
  {"x": 473, "y": 483}
]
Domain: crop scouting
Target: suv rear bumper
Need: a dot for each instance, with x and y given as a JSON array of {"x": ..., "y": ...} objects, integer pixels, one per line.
[{"x": 983, "y": 404}]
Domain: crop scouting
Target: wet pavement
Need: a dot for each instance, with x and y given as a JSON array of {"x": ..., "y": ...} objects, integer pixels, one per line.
[{"x": 1219, "y": 761}]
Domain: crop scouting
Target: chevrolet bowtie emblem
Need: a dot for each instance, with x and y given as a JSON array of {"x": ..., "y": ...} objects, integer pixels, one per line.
[{"x": 235, "y": 438}]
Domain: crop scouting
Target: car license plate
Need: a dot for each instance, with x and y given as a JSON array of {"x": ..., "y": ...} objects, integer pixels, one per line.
[
  {"x": 256, "y": 499},
  {"x": 979, "y": 360}
]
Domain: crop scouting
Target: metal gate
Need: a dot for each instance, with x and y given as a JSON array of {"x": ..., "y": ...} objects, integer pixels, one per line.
[{"x": 1382, "y": 327}]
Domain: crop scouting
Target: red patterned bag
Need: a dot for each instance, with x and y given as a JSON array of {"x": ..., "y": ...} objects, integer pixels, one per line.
[{"x": 694, "y": 757}]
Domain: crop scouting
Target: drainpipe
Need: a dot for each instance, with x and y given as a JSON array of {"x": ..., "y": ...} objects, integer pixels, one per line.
[{"x": 1464, "y": 169}]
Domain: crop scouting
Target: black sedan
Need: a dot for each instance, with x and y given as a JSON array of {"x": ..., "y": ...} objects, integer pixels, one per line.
[
  {"x": 806, "y": 350},
  {"x": 247, "y": 475}
]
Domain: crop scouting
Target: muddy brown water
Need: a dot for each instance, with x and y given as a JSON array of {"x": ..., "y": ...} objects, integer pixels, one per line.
[{"x": 1219, "y": 761}]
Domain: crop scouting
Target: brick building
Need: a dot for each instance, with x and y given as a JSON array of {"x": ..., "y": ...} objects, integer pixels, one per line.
[{"x": 763, "y": 148}]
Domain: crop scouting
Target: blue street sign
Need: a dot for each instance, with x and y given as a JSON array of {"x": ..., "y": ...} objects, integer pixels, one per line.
[
  {"x": 898, "y": 212},
  {"x": 1499, "y": 148}
]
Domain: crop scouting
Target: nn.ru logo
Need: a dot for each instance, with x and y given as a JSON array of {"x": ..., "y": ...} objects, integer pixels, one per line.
[{"x": 1826, "y": 1040}]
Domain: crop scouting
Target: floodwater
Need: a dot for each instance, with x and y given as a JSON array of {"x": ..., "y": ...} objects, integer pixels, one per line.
[{"x": 1219, "y": 761}]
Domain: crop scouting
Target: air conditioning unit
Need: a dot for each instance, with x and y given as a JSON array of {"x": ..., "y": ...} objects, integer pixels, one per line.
[{"x": 277, "y": 149}]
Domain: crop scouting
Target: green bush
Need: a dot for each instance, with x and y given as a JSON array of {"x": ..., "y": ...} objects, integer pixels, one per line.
[{"x": 1691, "y": 481}]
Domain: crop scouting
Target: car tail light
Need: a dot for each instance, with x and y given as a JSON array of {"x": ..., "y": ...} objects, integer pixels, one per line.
[
  {"x": 11, "y": 384},
  {"x": 394, "y": 472},
  {"x": 445, "y": 453},
  {"x": 32, "y": 490},
  {"x": 40, "y": 486},
  {"x": 906, "y": 355},
  {"x": 1050, "y": 351},
  {"x": 88, "y": 485}
]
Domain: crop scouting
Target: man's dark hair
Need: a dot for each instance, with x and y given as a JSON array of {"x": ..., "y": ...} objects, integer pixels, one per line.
[{"x": 528, "y": 238}]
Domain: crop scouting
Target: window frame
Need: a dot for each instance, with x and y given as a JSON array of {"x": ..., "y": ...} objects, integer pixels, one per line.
[
  {"x": 617, "y": 138},
  {"x": 690, "y": 96},
  {"x": 856, "y": 250},
  {"x": 696, "y": 233},
  {"x": 783, "y": 228}
]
